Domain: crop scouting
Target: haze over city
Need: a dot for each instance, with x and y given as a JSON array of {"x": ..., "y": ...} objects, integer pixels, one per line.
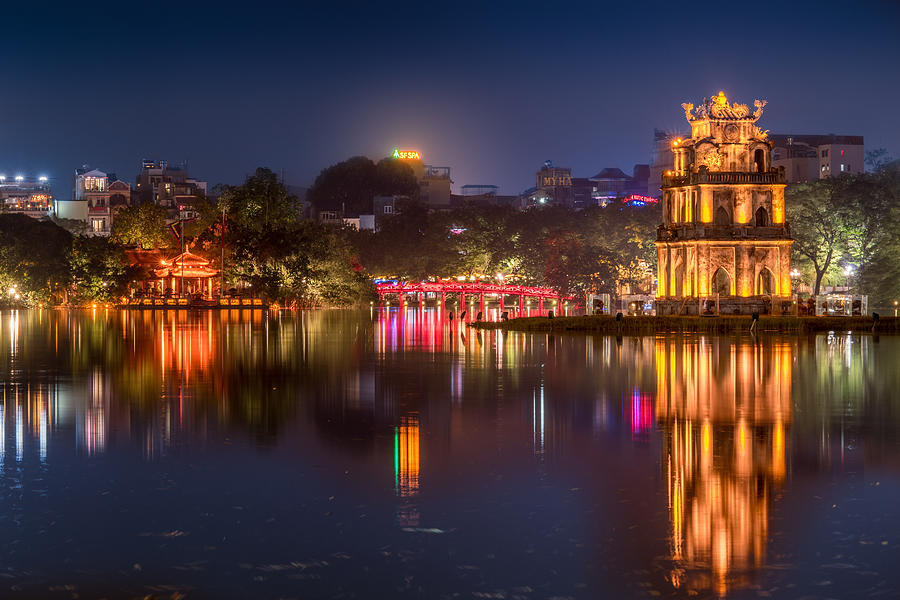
[{"x": 491, "y": 91}]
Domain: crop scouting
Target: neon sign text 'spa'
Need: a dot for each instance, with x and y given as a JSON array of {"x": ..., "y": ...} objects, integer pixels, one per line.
[{"x": 406, "y": 154}]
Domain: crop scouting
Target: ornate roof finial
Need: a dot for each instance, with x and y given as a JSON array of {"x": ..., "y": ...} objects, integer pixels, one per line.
[
  {"x": 759, "y": 104},
  {"x": 688, "y": 107},
  {"x": 721, "y": 100}
]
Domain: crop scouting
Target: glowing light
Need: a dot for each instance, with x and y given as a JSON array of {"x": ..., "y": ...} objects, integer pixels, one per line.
[
  {"x": 406, "y": 456},
  {"x": 406, "y": 154},
  {"x": 638, "y": 200},
  {"x": 19, "y": 178},
  {"x": 42, "y": 178}
]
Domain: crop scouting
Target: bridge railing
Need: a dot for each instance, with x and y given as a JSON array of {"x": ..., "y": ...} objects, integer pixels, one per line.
[{"x": 468, "y": 288}]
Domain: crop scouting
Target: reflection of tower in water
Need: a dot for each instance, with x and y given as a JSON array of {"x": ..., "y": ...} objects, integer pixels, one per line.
[
  {"x": 724, "y": 408},
  {"x": 406, "y": 456},
  {"x": 406, "y": 469}
]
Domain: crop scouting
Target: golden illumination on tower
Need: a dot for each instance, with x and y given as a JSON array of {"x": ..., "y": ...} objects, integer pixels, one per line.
[{"x": 723, "y": 215}]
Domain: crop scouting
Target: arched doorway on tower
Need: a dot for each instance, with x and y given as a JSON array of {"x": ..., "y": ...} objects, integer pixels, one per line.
[
  {"x": 759, "y": 161},
  {"x": 762, "y": 217},
  {"x": 765, "y": 283},
  {"x": 722, "y": 282}
]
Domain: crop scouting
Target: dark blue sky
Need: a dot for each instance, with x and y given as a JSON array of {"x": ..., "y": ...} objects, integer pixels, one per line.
[{"x": 491, "y": 90}]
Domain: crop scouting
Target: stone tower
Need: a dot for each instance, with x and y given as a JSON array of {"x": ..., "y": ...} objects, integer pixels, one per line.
[{"x": 724, "y": 243}]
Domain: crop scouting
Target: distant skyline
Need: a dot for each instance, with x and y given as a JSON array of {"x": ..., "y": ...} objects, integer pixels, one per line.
[{"x": 491, "y": 91}]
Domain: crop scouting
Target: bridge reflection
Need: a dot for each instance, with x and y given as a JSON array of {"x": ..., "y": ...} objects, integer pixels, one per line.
[{"x": 724, "y": 408}]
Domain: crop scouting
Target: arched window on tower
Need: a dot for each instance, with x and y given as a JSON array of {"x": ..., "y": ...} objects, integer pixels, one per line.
[
  {"x": 759, "y": 160},
  {"x": 765, "y": 283},
  {"x": 722, "y": 282},
  {"x": 762, "y": 217},
  {"x": 722, "y": 216}
]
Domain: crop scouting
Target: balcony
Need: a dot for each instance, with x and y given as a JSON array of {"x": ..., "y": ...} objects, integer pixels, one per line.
[
  {"x": 709, "y": 231},
  {"x": 703, "y": 176}
]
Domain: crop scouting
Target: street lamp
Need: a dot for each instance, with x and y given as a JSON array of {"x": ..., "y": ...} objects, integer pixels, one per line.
[
  {"x": 848, "y": 273},
  {"x": 895, "y": 308}
]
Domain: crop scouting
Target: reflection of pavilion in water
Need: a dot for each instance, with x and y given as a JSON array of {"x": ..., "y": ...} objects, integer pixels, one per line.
[
  {"x": 26, "y": 414},
  {"x": 724, "y": 408}
]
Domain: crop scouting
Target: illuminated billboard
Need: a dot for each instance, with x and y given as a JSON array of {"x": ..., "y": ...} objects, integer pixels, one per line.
[{"x": 406, "y": 154}]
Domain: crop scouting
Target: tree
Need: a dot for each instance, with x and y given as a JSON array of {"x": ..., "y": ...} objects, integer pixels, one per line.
[
  {"x": 262, "y": 203},
  {"x": 877, "y": 159},
  {"x": 350, "y": 186},
  {"x": 99, "y": 270},
  {"x": 32, "y": 260},
  {"x": 141, "y": 225},
  {"x": 818, "y": 225}
]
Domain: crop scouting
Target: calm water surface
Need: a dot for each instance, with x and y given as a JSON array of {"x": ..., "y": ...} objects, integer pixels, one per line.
[{"x": 380, "y": 455}]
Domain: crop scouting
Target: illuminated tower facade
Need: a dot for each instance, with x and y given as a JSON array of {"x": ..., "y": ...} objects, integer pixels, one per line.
[{"x": 724, "y": 243}]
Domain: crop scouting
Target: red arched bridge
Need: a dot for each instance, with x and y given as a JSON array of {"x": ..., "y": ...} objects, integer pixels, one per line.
[{"x": 472, "y": 288}]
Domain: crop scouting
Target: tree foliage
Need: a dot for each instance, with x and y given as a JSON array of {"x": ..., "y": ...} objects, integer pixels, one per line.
[
  {"x": 850, "y": 222},
  {"x": 574, "y": 252},
  {"x": 271, "y": 251},
  {"x": 32, "y": 260},
  {"x": 99, "y": 270},
  {"x": 143, "y": 226},
  {"x": 261, "y": 204},
  {"x": 349, "y": 186}
]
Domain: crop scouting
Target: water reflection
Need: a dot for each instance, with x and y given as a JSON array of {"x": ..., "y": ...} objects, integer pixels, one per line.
[
  {"x": 724, "y": 409},
  {"x": 580, "y": 460}
]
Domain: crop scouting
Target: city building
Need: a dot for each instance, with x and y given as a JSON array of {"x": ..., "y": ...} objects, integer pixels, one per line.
[
  {"x": 661, "y": 160},
  {"x": 556, "y": 185},
  {"x": 583, "y": 192},
  {"x": 26, "y": 195},
  {"x": 97, "y": 196},
  {"x": 479, "y": 190},
  {"x": 383, "y": 208},
  {"x": 724, "y": 244},
  {"x": 612, "y": 184},
  {"x": 434, "y": 182},
  {"x": 167, "y": 186},
  {"x": 811, "y": 157},
  {"x": 533, "y": 197},
  {"x": 434, "y": 186}
]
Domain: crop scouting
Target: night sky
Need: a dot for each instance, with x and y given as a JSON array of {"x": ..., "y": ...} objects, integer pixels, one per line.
[{"x": 490, "y": 90}]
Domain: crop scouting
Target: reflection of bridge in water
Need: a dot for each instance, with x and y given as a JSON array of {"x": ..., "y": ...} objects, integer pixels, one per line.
[{"x": 472, "y": 288}]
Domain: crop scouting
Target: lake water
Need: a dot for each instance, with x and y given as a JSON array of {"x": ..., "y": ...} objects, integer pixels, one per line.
[{"x": 380, "y": 455}]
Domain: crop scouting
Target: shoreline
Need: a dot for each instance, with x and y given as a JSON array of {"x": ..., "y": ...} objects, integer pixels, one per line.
[{"x": 691, "y": 324}]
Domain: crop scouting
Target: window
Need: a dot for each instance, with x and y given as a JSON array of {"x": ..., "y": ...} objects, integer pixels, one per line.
[
  {"x": 842, "y": 167},
  {"x": 825, "y": 153},
  {"x": 388, "y": 209}
]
